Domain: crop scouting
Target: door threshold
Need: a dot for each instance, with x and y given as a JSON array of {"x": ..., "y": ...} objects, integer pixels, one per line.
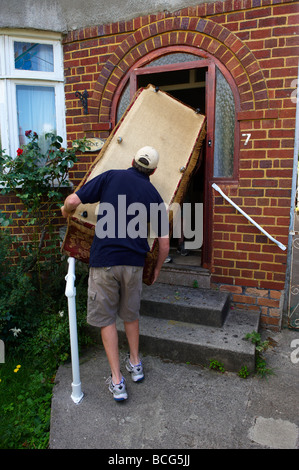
[
  {"x": 185, "y": 271},
  {"x": 178, "y": 261}
]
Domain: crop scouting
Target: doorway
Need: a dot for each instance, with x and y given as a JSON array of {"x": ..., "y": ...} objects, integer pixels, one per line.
[
  {"x": 200, "y": 81},
  {"x": 189, "y": 87}
]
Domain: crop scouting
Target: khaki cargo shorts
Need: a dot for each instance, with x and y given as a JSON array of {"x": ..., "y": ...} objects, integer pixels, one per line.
[{"x": 115, "y": 290}]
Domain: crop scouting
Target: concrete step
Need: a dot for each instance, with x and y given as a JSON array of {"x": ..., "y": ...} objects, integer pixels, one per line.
[
  {"x": 185, "y": 270},
  {"x": 199, "y": 344},
  {"x": 186, "y": 304},
  {"x": 185, "y": 275}
]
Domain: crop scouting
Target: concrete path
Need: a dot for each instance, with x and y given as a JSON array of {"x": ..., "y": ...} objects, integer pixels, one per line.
[{"x": 181, "y": 406}]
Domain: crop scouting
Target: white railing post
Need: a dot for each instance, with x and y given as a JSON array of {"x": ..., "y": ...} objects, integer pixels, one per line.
[{"x": 70, "y": 292}]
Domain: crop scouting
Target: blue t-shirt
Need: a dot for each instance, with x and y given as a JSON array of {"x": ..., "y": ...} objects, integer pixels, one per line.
[{"x": 128, "y": 201}]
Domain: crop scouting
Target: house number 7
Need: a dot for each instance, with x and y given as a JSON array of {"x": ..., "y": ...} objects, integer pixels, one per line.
[{"x": 247, "y": 139}]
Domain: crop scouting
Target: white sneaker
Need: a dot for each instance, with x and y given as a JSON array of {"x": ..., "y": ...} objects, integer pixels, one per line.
[
  {"x": 119, "y": 390},
  {"x": 135, "y": 371}
]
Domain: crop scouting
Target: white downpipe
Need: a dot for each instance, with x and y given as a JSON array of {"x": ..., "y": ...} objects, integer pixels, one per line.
[
  {"x": 283, "y": 247},
  {"x": 70, "y": 292}
]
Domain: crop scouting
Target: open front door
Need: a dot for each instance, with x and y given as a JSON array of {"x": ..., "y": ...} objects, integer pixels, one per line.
[
  {"x": 198, "y": 80},
  {"x": 193, "y": 83}
]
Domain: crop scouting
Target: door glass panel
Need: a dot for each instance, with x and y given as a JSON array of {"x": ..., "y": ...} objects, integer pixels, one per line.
[
  {"x": 33, "y": 56},
  {"x": 123, "y": 102},
  {"x": 224, "y": 128},
  {"x": 36, "y": 111},
  {"x": 174, "y": 58},
  {"x": 168, "y": 59}
]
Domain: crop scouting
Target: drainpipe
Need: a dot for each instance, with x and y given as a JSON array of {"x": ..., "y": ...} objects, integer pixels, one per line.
[
  {"x": 292, "y": 209},
  {"x": 70, "y": 292}
]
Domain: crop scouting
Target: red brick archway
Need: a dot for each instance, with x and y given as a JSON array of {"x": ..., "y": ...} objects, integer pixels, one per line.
[{"x": 200, "y": 34}]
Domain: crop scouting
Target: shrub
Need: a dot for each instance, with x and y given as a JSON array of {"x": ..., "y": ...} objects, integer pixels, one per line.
[
  {"x": 32, "y": 289},
  {"x": 33, "y": 307}
]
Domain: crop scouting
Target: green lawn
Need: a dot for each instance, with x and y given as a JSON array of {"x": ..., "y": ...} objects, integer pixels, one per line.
[{"x": 25, "y": 404}]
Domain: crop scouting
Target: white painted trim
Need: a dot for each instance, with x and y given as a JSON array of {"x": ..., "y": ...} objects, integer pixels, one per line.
[{"x": 10, "y": 77}]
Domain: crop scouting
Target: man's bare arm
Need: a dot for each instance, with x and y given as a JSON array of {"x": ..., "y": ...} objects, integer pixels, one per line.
[
  {"x": 163, "y": 253},
  {"x": 70, "y": 205}
]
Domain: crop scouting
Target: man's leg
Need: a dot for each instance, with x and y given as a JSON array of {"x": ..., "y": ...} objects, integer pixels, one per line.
[
  {"x": 110, "y": 342},
  {"x": 133, "y": 364},
  {"x": 132, "y": 332}
]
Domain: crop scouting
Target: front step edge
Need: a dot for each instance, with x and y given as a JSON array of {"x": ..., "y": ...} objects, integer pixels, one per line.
[
  {"x": 198, "y": 344},
  {"x": 186, "y": 304}
]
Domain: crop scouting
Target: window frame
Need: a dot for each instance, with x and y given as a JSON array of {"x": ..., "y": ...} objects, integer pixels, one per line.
[
  {"x": 12, "y": 72},
  {"x": 11, "y": 77},
  {"x": 234, "y": 179}
]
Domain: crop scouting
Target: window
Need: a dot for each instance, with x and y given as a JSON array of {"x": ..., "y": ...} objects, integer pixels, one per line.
[
  {"x": 224, "y": 128},
  {"x": 33, "y": 56},
  {"x": 31, "y": 87}
]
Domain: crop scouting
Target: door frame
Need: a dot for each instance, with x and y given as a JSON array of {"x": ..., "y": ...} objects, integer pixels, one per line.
[{"x": 209, "y": 62}]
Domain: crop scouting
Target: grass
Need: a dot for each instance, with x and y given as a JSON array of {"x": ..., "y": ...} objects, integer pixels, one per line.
[
  {"x": 41, "y": 345},
  {"x": 25, "y": 404}
]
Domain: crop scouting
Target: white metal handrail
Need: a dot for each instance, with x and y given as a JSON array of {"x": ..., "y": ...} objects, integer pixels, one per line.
[
  {"x": 283, "y": 247},
  {"x": 70, "y": 292}
]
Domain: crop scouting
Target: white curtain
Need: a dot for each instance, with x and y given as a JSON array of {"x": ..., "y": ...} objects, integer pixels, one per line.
[{"x": 36, "y": 111}]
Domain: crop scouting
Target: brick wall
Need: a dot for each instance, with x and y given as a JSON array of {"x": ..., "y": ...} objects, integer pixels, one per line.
[
  {"x": 257, "y": 41},
  {"x": 246, "y": 263},
  {"x": 10, "y": 204},
  {"x": 244, "y": 258}
]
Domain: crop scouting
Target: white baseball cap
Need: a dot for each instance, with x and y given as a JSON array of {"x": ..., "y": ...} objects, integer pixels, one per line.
[{"x": 147, "y": 157}]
